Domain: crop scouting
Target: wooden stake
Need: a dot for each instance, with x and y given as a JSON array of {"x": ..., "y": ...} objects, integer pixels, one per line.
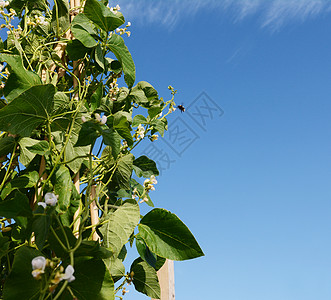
[
  {"x": 94, "y": 213},
  {"x": 166, "y": 277}
]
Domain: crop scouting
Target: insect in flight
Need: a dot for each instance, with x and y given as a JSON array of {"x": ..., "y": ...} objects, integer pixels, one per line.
[{"x": 181, "y": 108}]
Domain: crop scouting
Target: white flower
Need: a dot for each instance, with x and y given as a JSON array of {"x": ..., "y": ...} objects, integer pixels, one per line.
[
  {"x": 118, "y": 30},
  {"x": 153, "y": 179},
  {"x": 41, "y": 20},
  {"x": 129, "y": 24},
  {"x": 140, "y": 131},
  {"x": 51, "y": 199},
  {"x": 38, "y": 266},
  {"x": 97, "y": 117},
  {"x": 144, "y": 200},
  {"x": 43, "y": 204},
  {"x": 128, "y": 33},
  {"x": 83, "y": 119},
  {"x": 103, "y": 120},
  {"x": 117, "y": 7},
  {"x": 1, "y": 67},
  {"x": 3, "y": 3},
  {"x": 68, "y": 274}
]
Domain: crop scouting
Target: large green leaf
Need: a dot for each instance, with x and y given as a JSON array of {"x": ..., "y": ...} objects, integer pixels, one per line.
[
  {"x": 63, "y": 188},
  {"x": 93, "y": 281},
  {"x": 20, "y": 283},
  {"x": 27, "y": 180},
  {"x": 16, "y": 206},
  {"x": 145, "y": 253},
  {"x": 167, "y": 236},
  {"x": 28, "y": 110},
  {"x": 20, "y": 79},
  {"x": 117, "y": 46},
  {"x": 145, "y": 279},
  {"x": 143, "y": 166},
  {"x": 60, "y": 23},
  {"x": 40, "y": 226},
  {"x": 122, "y": 126},
  {"x": 112, "y": 139},
  {"x": 4, "y": 245},
  {"x": 120, "y": 225},
  {"x": 115, "y": 267},
  {"x": 26, "y": 156},
  {"x": 82, "y": 30},
  {"x": 124, "y": 171},
  {"x": 101, "y": 15},
  {"x": 6, "y": 145}
]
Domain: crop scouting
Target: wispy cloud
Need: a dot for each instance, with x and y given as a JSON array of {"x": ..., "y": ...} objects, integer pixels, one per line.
[{"x": 272, "y": 14}]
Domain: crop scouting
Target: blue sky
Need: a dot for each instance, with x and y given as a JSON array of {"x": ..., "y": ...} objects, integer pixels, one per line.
[{"x": 254, "y": 183}]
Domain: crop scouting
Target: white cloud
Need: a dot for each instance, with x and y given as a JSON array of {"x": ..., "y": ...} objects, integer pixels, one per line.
[{"x": 271, "y": 14}]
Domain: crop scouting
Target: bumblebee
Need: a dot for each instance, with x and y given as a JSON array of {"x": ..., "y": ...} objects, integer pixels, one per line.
[{"x": 181, "y": 108}]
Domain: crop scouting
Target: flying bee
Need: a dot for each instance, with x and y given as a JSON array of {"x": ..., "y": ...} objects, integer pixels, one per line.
[{"x": 181, "y": 108}]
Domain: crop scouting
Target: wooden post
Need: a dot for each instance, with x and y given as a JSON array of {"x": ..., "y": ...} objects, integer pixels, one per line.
[{"x": 166, "y": 277}]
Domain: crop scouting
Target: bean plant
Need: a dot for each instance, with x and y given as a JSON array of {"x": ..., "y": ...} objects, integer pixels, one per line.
[{"x": 71, "y": 187}]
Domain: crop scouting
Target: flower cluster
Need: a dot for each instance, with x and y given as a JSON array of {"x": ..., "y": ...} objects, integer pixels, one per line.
[
  {"x": 113, "y": 89},
  {"x": 149, "y": 184},
  {"x": 140, "y": 133},
  {"x": 3, "y": 4},
  {"x": 115, "y": 9},
  {"x": 124, "y": 30},
  {"x": 50, "y": 199},
  {"x": 154, "y": 137},
  {"x": 102, "y": 120},
  {"x": 38, "y": 20},
  {"x": 39, "y": 264}
]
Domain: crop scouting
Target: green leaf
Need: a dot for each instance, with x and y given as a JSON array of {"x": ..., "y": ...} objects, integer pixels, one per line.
[
  {"x": 28, "y": 110},
  {"x": 20, "y": 276},
  {"x": 6, "y": 145},
  {"x": 159, "y": 126},
  {"x": 93, "y": 281},
  {"x": 26, "y": 156},
  {"x": 124, "y": 171},
  {"x": 145, "y": 253},
  {"x": 93, "y": 249},
  {"x": 139, "y": 119},
  {"x": 117, "y": 46},
  {"x": 145, "y": 279},
  {"x": 17, "y": 206},
  {"x": 99, "y": 57},
  {"x": 122, "y": 126},
  {"x": 56, "y": 246},
  {"x": 115, "y": 267},
  {"x": 20, "y": 79},
  {"x": 97, "y": 12},
  {"x": 149, "y": 91},
  {"x": 63, "y": 188},
  {"x": 40, "y": 226},
  {"x": 61, "y": 100},
  {"x": 154, "y": 111},
  {"x": 143, "y": 166},
  {"x": 120, "y": 225},
  {"x": 112, "y": 139},
  {"x": 82, "y": 30},
  {"x": 167, "y": 236},
  {"x": 4, "y": 245},
  {"x": 76, "y": 50},
  {"x": 28, "y": 180},
  {"x": 62, "y": 18},
  {"x": 96, "y": 97},
  {"x": 41, "y": 148},
  {"x": 87, "y": 134}
]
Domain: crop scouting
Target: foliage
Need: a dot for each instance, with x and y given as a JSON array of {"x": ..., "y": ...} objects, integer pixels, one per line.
[{"x": 63, "y": 118}]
